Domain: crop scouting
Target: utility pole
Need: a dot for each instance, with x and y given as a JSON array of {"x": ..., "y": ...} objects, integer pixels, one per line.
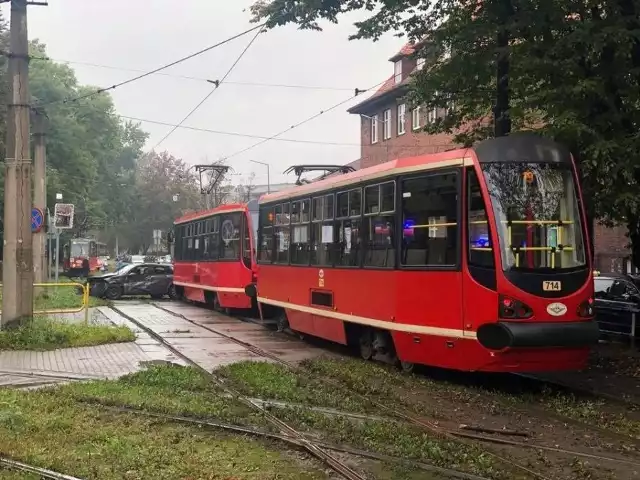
[
  {"x": 40, "y": 192},
  {"x": 17, "y": 297}
]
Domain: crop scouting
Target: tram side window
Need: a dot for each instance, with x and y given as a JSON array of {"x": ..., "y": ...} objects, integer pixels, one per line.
[
  {"x": 300, "y": 230},
  {"x": 379, "y": 230},
  {"x": 430, "y": 220},
  {"x": 348, "y": 251},
  {"x": 479, "y": 240},
  {"x": 322, "y": 230},
  {"x": 265, "y": 240},
  {"x": 189, "y": 251},
  {"x": 282, "y": 231},
  {"x": 230, "y": 236}
]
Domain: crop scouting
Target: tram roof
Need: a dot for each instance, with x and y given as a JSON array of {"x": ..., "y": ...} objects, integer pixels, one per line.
[
  {"x": 398, "y": 166},
  {"x": 231, "y": 207}
]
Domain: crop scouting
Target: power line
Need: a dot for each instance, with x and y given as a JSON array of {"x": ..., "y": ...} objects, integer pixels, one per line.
[
  {"x": 313, "y": 117},
  {"x": 217, "y": 85},
  {"x": 146, "y": 74},
  {"x": 194, "y": 78}
]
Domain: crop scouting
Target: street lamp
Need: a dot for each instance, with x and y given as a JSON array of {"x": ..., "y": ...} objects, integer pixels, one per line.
[{"x": 268, "y": 178}]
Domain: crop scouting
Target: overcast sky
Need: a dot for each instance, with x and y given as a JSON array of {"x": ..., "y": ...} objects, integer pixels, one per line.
[{"x": 144, "y": 34}]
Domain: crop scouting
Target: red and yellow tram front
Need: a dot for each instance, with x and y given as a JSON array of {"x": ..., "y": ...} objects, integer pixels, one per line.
[{"x": 529, "y": 259}]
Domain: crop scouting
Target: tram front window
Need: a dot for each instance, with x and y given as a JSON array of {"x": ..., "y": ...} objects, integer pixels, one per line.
[
  {"x": 79, "y": 249},
  {"x": 537, "y": 215}
]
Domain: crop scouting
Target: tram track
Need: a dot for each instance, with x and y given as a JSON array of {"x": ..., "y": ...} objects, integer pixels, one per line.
[
  {"x": 310, "y": 446},
  {"x": 559, "y": 386},
  {"x": 10, "y": 464},
  {"x": 410, "y": 418}
]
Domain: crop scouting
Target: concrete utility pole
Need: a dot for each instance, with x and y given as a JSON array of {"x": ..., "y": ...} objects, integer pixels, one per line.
[
  {"x": 17, "y": 297},
  {"x": 40, "y": 193}
]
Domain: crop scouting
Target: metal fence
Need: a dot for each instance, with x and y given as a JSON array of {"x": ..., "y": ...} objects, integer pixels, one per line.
[{"x": 40, "y": 300}]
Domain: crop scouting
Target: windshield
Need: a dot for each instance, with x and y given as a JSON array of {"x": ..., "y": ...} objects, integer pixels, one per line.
[
  {"x": 79, "y": 249},
  {"x": 537, "y": 215},
  {"x": 126, "y": 269}
]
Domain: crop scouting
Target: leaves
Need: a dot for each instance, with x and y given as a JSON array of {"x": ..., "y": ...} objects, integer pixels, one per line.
[{"x": 574, "y": 75}]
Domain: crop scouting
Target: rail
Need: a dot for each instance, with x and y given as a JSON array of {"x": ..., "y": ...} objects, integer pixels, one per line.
[{"x": 83, "y": 307}]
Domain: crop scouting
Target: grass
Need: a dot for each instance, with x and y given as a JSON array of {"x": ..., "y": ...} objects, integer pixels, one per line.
[
  {"x": 52, "y": 431},
  {"x": 46, "y": 334},
  {"x": 272, "y": 381}
]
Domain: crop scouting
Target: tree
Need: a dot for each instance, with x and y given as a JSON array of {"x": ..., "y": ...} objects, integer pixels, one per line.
[
  {"x": 568, "y": 69},
  {"x": 159, "y": 178}
]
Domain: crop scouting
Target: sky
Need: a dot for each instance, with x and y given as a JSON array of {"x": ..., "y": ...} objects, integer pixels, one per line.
[{"x": 145, "y": 34}]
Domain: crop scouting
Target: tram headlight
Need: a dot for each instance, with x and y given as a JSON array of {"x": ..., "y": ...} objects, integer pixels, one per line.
[
  {"x": 513, "y": 309},
  {"x": 586, "y": 308}
]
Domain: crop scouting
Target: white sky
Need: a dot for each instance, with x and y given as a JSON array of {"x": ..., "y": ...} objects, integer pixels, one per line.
[{"x": 145, "y": 34}]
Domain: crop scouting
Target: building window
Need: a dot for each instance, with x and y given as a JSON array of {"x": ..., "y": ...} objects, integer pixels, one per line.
[
  {"x": 374, "y": 129},
  {"x": 386, "y": 124},
  {"x": 420, "y": 63},
  {"x": 402, "y": 113},
  {"x": 432, "y": 114},
  {"x": 397, "y": 72},
  {"x": 430, "y": 221},
  {"x": 415, "y": 118}
]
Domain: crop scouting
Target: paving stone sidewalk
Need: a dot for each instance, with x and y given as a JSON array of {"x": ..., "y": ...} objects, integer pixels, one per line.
[{"x": 19, "y": 369}]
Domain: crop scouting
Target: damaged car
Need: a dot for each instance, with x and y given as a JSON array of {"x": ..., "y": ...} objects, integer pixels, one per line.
[{"x": 152, "y": 279}]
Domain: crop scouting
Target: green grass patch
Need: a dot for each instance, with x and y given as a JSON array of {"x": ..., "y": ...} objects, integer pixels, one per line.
[
  {"x": 61, "y": 297},
  {"x": 168, "y": 389},
  {"x": 53, "y": 431},
  {"x": 6, "y": 474},
  {"x": 45, "y": 334},
  {"x": 276, "y": 382},
  {"x": 272, "y": 381}
]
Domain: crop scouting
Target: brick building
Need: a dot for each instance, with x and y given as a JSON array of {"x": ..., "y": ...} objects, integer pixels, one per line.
[{"x": 390, "y": 130}]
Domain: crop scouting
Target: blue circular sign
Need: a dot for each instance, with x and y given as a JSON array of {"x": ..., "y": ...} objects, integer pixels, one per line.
[{"x": 37, "y": 219}]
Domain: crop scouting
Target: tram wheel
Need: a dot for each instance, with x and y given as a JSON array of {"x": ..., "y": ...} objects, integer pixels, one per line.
[
  {"x": 407, "y": 367},
  {"x": 366, "y": 346}
]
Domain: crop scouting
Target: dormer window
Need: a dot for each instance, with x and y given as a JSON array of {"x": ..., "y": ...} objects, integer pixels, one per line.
[{"x": 397, "y": 72}]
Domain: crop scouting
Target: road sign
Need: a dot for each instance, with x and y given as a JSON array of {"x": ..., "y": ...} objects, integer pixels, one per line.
[
  {"x": 63, "y": 215},
  {"x": 37, "y": 219}
]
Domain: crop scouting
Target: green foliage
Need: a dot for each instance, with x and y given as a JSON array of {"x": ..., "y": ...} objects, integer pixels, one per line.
[
  {"x": 574, "y": 75},
  {"x": 44, "y": 334}
]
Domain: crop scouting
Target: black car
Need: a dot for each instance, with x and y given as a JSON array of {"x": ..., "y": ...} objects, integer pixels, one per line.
[
  {"x": 617, "y": 304},
  {"x": 143, "y": 279}
]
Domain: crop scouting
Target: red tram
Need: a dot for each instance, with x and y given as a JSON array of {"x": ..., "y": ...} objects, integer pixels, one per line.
[
  {"x": 474, "y": 259},
  {"x": 80, "y": 250},
  {"x": 213, "y": 255}
]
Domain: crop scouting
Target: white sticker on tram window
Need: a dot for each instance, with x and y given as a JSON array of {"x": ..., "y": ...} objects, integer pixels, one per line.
[
  {"x": 327, "y": 234},
  {"x": 406, "y": 195}
]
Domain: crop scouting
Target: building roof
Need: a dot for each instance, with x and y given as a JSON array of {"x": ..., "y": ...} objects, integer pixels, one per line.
[{"x": 407, "y": 50}]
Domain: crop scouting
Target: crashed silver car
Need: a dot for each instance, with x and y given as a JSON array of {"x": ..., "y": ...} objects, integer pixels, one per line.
[{"x": 152, "y": 279}]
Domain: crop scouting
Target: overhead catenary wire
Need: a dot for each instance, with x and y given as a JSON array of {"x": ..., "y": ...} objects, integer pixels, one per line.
[
  {"x": 194, "y": 78},
  {"x": 313, "y": 117},
  {"x": 217, "y": 85},
  {"x": 152, "y": 72},
  {"x": 265, "y": 137}
]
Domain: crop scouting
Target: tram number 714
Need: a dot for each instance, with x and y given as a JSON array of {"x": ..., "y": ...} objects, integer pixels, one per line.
[{"x": 551, "y": 286}]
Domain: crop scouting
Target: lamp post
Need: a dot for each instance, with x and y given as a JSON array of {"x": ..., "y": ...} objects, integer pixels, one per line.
[{"x": 268, "y": 178}]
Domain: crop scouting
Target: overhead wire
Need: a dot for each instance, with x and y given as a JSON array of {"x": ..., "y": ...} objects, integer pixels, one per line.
[
  {"x": 151, "y": 72},
  {"x": 313, "y": 117},
  {"x": 194, "y": 78},
  {"x": 217, "y": 85},
  {"x": 261, "y": 137}
]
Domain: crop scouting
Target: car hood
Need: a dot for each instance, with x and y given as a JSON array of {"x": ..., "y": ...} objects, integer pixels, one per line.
[{"x": 106, "y": 276}]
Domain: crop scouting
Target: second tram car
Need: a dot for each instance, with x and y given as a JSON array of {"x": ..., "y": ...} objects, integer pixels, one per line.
[
  {"x": 213, "y": 255},
  {"x": 474, "y": 259}
]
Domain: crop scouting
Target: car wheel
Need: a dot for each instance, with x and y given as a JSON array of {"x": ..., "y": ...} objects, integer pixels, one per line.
[
  {"x": 173, "y": 293},
  {"x": 113, "y": 293}
]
